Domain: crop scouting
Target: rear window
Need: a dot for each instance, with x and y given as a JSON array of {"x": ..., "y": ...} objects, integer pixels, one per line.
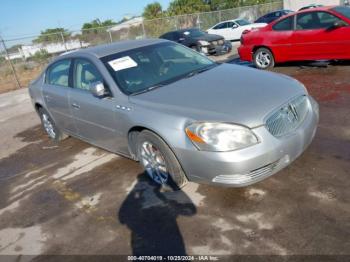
[
  {"x": 242, "y": 22},
  {"x": 343, "y": 10},
  {"x": 58, "y": 73},
  {"x": 284, "y": 25}
]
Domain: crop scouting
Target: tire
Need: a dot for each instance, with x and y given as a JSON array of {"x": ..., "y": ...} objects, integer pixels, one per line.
[
  {"x": 263, "y": 58},
  {"x": 173, "y": 177},
  {"x": 50, "y": 127}
]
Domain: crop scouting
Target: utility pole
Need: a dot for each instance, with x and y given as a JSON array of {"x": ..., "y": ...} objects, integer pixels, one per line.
[
  {"x": 64, "y": 41},
  {"x": 10, "y": 63}
]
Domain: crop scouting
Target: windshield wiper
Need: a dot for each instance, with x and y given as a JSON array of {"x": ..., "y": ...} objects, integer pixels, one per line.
[
  {"x": 174, "y": 79},
  {"x": 196, "y": 72},
  {"x": 147, "y": 89}
]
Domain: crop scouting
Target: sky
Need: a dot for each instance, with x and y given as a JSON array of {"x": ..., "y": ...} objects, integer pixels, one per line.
[{"x": 28, "y": 17}]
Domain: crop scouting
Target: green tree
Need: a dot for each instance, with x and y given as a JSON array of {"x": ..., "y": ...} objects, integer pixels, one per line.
[
  {"x": 14, "y": 48},
  {"x": 224, "y": 4},
  {"x": 153, "y": 10},
  {"x": 180, "y": 7},
  {"x": 52, "y": 35},
  {"x": 40, "y": 56},
  {"x": 95, "y": 25}
]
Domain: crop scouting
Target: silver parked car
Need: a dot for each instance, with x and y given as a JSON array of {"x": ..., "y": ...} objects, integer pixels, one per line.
[{"x": 183, "y": 116}]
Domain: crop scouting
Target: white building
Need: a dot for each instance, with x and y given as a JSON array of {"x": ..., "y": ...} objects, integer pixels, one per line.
[
  {"x": 123, "y": 28},
  {"x": 136, "y": 21},
  {"x": 297, "y": 4},
  {"x": 26, "y": 51}
]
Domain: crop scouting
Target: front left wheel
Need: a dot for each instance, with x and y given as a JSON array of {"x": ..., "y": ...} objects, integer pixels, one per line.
[{"x": 159, "y": 161}]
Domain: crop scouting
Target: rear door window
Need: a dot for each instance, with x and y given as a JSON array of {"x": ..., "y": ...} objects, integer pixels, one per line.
[
  {"x": 58, "y": 73},
  {"x": 315, "y": 20}
]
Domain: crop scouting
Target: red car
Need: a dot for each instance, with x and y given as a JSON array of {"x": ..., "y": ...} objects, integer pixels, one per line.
[{"x": 315, "y": 34}]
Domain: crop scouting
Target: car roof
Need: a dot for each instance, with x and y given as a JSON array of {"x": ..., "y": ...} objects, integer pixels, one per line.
[
  {"x": 280, "y": 10},
  {"x": 320, "y": 8},
  {"x": 182, "y": 30},
  {"x": 108, "y": 49},
  {"x": 231, "y": 20}
]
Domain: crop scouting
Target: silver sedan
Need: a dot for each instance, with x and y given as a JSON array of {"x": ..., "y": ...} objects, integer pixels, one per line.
[{"x": 183, "y": 116}]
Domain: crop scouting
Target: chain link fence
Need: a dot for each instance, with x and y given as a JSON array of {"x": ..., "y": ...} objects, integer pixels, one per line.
[{"x": 22, "y": 59}]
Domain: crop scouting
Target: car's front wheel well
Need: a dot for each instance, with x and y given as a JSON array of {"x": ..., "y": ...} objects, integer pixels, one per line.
[
  {"x": 37, "y": 107},
  {"x": 132, "y": 139}
]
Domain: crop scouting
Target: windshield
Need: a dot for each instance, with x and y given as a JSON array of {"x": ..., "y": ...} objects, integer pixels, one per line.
[
  {"x": 194, "y": 33},
  {"x": 142, "y": 69},
  {"x": 343, "y": 10},
  {"x": 242, "y": 22}
]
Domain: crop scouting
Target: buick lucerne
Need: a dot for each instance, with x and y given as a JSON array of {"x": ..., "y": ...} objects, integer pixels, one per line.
[{"x": 181, "y": 115}]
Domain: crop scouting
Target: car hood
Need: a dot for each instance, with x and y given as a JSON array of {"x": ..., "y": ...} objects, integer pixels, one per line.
[
  {"x": 258, "y": 25},
  {"x": 228, "y": 93},
  {"x": 209, "y": 37},
  {"x": 255, "y": 25}
]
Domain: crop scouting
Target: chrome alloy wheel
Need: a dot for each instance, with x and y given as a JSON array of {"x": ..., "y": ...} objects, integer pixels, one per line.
[
  {"x": 154, "y": 163},
  {"x": 263, "y": 59},
  {"x": 48, "y": 126}
]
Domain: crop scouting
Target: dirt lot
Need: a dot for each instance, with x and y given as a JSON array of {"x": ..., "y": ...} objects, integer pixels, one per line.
[{"x": 73, "y": 198}]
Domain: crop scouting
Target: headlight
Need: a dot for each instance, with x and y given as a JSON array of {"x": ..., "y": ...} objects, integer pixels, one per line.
[
  {"x": 220, "y": 136},
  {"x": 202, "y": 42}
]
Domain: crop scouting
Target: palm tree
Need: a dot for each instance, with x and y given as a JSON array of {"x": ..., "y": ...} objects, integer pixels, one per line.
[{"x": 153, "y": 10}]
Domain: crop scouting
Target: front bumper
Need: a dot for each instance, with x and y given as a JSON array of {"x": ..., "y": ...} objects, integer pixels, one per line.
[
  {"x": 217, "y": 49},
  {"x": 245, "y": 53},
  {"x": 247, "y": 166}
]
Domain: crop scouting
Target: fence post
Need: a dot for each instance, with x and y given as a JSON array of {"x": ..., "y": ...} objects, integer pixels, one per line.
[
  {"x": 220, "y": 16},
  {"x": 110, "y": 35},
  {"x": 176, "y": 23},
  {"x": 64, "y": 41},
  {"x": 198, "y": 21},
  {"x": 143, "y": 29},
  {"x": 10, "y": 63}
]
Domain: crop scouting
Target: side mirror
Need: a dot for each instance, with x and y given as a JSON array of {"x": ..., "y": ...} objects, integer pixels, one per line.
[
  {"x": 339, "y": 24},
  {"x": 234, "y": 26},
  {"x": 181, "y": 39},
  {"x": 98, "y": 89}
]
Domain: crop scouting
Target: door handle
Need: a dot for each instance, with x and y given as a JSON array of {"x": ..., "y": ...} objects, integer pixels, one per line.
[
  {"x": 47, "y": 97},
  {"x": 75, "y": 105}
]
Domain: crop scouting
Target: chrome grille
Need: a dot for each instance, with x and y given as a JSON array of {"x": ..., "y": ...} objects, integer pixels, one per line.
[{"x": 289, "y": 117}]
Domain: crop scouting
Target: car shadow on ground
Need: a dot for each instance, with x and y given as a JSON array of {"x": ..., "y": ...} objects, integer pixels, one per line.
[{"x": 151, "y": 215}]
